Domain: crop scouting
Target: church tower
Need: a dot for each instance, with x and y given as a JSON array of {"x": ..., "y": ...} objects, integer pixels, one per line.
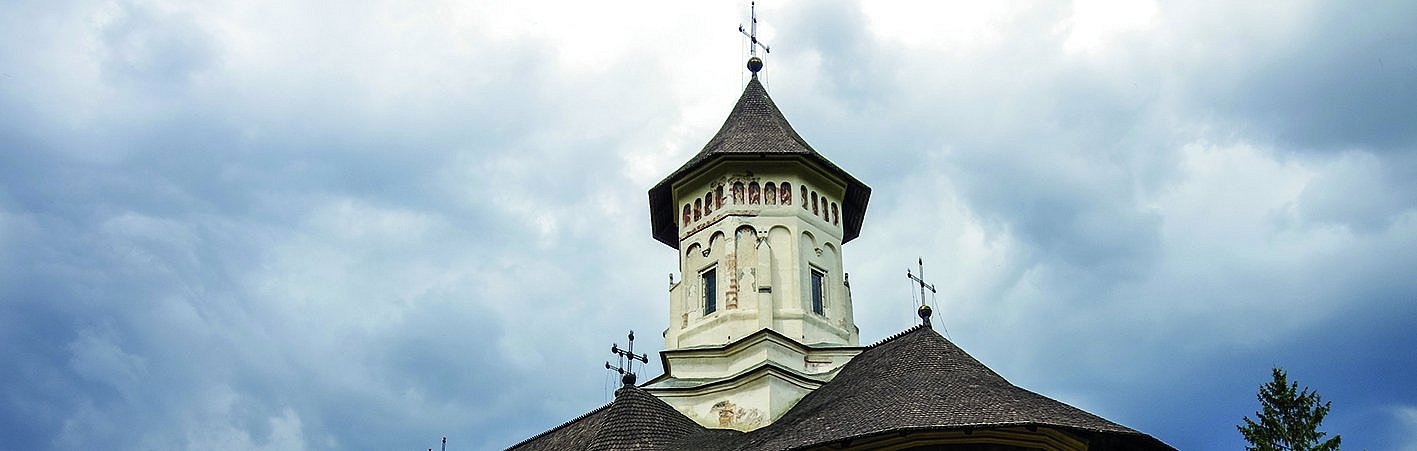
[
  {"x": 762, "y": 314},
  {"x": 761, "y": 335}
]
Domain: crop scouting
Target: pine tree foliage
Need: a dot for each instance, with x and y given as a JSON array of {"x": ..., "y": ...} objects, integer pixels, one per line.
[{"x": 1288, "y": 419}]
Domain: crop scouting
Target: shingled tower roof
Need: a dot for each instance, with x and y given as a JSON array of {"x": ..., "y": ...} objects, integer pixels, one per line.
[
  {"x": 755, "y": 129},
  {"x": 755, "y": 126},
  {"x": 918, "y": 381}
]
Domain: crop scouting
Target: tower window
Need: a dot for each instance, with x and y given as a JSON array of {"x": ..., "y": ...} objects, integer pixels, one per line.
[
  {"x": 710, "y": 279},
  {"x": 817, "y": 294}
]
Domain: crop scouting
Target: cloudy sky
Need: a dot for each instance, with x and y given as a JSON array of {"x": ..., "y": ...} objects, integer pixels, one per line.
[{"x": 370, "y": 224}]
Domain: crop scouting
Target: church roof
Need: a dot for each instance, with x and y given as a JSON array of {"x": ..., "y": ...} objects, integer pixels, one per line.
[
  {"x": 918, "y": 380},
  {"x": 635, "y": 420},
  {"x": 914, "y": 381},
  {"x": 756, "y": 129}
]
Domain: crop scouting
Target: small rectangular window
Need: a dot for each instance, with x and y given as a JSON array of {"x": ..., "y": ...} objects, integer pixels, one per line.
[
  {"x": 710, "y": 279},
  {"x": 817, "y": 294}
]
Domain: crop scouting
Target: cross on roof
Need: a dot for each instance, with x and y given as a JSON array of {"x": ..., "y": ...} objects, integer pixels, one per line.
[
  {"x": 627, "y": 377},
  {"x": 924, "y": 309},
  {"x": 752, "y": 35}
]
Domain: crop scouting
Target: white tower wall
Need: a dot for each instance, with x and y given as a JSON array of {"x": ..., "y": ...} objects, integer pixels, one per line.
[{"x": 763, "y": 256}]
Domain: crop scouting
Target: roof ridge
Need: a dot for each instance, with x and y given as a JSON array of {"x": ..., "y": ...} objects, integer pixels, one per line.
[{"x": 899, "y": 334}]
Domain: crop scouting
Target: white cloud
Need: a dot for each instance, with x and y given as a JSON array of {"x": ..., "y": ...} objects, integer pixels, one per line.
[
  {"x": 100, "y": 360},
  {"x": 1094, "y": 23},
  {"x": 218, "y": 425},
  {"x": 954, "y": 26},
  {"x": 1406, "y": 417}
]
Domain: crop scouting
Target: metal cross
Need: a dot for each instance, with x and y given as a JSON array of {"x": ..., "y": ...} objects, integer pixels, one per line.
[
  {"x": 921, "y": 281},
  {"x": 753, "y": 34},
  {"x": 627, "y": 376}
]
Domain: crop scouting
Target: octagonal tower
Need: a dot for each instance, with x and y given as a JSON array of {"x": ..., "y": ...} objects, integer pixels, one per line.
[{"x": 762, "y": 314}]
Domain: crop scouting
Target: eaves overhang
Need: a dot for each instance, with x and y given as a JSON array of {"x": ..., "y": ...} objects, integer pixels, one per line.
[{"x": 755, "y": 129}]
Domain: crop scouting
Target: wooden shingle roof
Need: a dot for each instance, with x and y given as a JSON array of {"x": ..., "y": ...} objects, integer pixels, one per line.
[
  {"x": 918, "y": 381},
  {"x": 755, "y": 128},
  {"x": 635, "y": 420}
]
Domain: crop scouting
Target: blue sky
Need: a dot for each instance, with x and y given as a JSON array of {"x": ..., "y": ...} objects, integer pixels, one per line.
[{"x": 370, "y": 224}]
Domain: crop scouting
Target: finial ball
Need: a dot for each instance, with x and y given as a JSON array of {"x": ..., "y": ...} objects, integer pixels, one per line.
[
  {"x": 924, "y": 311},
  {"x": 628, "y": 379},
  {"x": 755, "y": 64}
]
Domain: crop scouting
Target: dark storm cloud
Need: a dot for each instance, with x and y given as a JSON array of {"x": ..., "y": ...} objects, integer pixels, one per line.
[
  {"x": 1365, "y": 192},
  {"x": 196, "y": 263},
  {"x": 1343, "y": 80},
  {"x": 1321, "y": 83}
]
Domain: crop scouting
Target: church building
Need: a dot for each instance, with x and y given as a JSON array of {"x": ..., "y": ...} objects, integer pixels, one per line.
[{"x": 761, "y": 350}]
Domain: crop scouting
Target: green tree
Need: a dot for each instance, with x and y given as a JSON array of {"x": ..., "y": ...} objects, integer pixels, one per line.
[{"x": 1288, "y": 419}]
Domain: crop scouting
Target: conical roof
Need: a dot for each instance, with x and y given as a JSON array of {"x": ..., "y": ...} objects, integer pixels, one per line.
[
  {"x": 918, "y": 380},
  {"x": 755, "y": 128},
  {"x": 635, "y": 420}
]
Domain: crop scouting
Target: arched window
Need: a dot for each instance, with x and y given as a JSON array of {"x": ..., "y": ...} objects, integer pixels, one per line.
[
  {"x": 769, "y": 194},
  {"x": 688, "y": 215},
  {"x": 836, "y": 219},
  {"x": 738, "y": 193},
  {"x": 708, "y": 203},
  {"x": 755, "y": 193},
  {"x": 698, "y": 209},
  {"x": 786, "y": 193},
  {"x": 814, "y": 204},
  {"x": 804, "y": 198},
  {"x": 718, "y": 195}
]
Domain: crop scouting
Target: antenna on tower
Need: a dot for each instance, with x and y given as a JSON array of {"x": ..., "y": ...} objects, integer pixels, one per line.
[{"x": 627, "y": 377}]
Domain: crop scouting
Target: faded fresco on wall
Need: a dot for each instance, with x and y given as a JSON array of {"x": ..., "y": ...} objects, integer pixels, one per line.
[{"x": 731, "y": 415}]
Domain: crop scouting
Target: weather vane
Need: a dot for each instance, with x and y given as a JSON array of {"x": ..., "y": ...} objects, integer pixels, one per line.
[
  {"x": 924, "y": 309},
  {"x": 627, "y": 376},
  {"x": 754, "y": 63}
]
